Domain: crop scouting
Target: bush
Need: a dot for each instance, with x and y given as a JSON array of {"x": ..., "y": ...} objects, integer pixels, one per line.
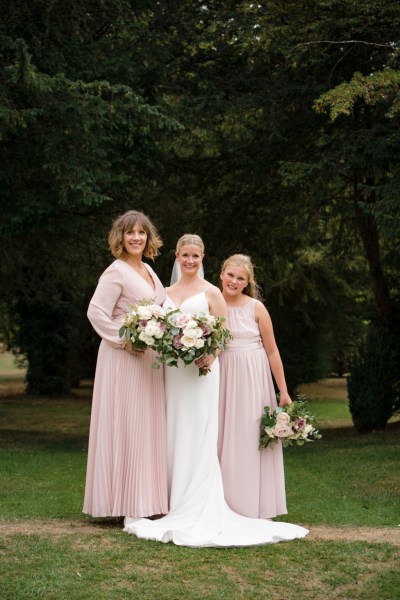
[{"x": 373, "y": 383}]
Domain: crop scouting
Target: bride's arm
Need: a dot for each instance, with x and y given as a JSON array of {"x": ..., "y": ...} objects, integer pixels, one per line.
[
  {"x": 217, "y": 308},
  {"x": 216, "y": 303}
]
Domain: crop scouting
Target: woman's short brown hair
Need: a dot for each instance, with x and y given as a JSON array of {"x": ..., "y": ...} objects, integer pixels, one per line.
[{"x": 126, "y": 222}]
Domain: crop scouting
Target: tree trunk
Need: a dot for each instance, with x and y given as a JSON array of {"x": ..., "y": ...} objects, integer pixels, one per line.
[{"x": 370, "y": 238}]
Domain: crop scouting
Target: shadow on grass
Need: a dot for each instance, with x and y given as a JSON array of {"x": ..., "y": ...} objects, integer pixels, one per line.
[
  {"x": 22, "y": 440},
  {"x": 349, "y": 434}
]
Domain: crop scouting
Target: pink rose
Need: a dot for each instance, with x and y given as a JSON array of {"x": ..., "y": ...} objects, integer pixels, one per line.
[
  {"x": 300, "y": 423},
  {"x": 206, "y": 330},
  {"x": 176, "y": 342},
  {"x": 157, "y": 311},
  {"x": 282, "y": 430},
  {"x": 282, "y": 418},
  {"x": 183, "y": 320}
]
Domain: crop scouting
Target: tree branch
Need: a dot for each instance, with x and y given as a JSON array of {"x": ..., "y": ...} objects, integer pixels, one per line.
[{"x": 391, "y": 45}]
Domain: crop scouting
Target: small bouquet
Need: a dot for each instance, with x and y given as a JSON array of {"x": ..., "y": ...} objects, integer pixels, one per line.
[
  {"x": 192, "y": 336},
  {"x": 145, "y": 325},
  {"x": 291, "y": 424}
]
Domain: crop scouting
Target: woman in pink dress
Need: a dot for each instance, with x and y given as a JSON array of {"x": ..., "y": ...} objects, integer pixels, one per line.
[
  {"x": 127, "y": 468},
  {"x": 254, "y": 483}
]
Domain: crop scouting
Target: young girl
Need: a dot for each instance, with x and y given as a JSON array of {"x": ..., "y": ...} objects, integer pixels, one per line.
[{"x": 253, "y": 480}]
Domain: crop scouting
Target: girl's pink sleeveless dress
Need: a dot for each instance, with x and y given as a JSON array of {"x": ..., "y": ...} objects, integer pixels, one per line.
[{"x": 254, "y": 482}]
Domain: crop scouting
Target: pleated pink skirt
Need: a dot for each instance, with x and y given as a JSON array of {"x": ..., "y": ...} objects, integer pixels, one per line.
[{"x": 127, "y": 458}]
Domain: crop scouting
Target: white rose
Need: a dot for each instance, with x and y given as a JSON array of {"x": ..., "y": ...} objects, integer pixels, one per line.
[
  {"x": 211, "y": 320},
  {"x": 153, "y": 329},
  {"x": 188, "y": 340},
  {"x": 306, "y": 431},
  {"x": 144, "y": 312},
  {"x": 158, "y": 333},
  {"x": 157, "y": 311},
  {"x": 191, "y": 324},
  {"x": 147, "y": 339},
  {"x": 199, "y": 343},
  {"x": 193, "y": 331}
]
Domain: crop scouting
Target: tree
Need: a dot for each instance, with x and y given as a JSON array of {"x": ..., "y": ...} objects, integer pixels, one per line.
[
  {"x": 202, "y": 115},
  {"x": 69, "y": 142}
]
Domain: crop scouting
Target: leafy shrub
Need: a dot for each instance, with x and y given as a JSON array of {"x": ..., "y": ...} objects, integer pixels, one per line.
[{"x": 374, "y": 381}]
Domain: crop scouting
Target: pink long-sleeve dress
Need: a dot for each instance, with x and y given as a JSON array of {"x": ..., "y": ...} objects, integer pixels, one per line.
[
  {"x": 127, "y": 464},
  {"x": 254, "y": 483}
]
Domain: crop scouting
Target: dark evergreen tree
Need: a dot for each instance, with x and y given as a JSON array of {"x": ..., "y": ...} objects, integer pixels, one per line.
[{"x": 212, "y": 117}]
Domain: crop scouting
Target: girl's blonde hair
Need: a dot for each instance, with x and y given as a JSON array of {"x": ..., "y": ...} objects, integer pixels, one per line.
[
  {"x": 190, "y": 238},
  {"x": 126, "y": 222},
  {"x": 244, "y": 261}
]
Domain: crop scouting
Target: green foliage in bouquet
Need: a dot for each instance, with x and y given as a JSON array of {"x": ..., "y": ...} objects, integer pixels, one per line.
[
  {"x": 172, "y": 334},
  {"x": 191, "y": 337},
  {"x": 146, "y": 325},
  {"x": 292, "y": 425}
]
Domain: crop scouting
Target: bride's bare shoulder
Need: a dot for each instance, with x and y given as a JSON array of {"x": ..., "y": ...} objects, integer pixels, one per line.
[{"x": 213, "y": 290}]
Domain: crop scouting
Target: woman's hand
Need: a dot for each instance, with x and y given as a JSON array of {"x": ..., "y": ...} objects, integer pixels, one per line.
[
  {"x": 205, "y": 362},
  {"x": 128, "y": 348},
  {"x": 284, "y": 399}
]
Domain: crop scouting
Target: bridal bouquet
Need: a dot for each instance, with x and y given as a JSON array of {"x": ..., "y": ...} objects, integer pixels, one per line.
[
  {"x": 291, "y": 424},
  {"x": 145, "y": 325},
  {"x": 191, "y": 337}
]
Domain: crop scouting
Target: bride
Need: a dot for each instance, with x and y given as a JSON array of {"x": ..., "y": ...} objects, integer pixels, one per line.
[{"x": 199, "y": 515}]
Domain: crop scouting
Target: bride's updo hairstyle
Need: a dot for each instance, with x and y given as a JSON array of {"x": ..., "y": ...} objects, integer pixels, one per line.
[
  {"x": 190, "y": 238},
  {"x": 126, "y": 222},
  {"x": 243, "y": 261}
]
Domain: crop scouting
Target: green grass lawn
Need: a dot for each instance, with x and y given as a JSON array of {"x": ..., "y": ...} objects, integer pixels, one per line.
[
  {"x": 7, "y": 363},
  {"x": 345, "y": 479},
  {"x": 114, "y": 565},
  {"x": 342, "y": 479}
]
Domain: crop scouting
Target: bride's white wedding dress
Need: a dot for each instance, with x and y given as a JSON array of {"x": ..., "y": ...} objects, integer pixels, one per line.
[{"x": 199, "y": 515}]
